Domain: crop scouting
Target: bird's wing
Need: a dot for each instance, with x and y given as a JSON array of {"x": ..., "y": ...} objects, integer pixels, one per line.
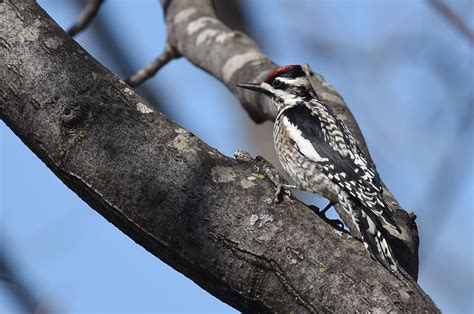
[{"x": 320, "y": 136}]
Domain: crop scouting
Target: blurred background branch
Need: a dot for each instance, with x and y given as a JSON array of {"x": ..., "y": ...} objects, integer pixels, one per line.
[
  {"x": 86, "y": 17},
  {"x": 17, "y": 287},
  {"x": 454, "y": 19},
  {"x": 168, "y": 54}
]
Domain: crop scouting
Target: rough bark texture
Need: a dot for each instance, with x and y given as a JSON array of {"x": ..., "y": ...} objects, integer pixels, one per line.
[{"x": 205, "y": 214}]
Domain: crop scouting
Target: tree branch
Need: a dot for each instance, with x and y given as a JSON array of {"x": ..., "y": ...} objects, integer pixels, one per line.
[
  {"x": 86, "y": 17},
  {"x": 147, "y": 72},
  {"x": 205, "y": 214},
  {"x": 454, "y": 19}
]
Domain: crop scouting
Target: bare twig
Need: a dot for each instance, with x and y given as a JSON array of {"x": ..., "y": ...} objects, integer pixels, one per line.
[
  {"x": 168, "y": 54},
  {"x": 456, "y": 20},
  {"x": 87, "y": 15}
]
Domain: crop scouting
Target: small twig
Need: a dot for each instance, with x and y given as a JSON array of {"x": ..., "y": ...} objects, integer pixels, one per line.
[
  {"x": 447, "y": 12},
  {"x": 87, "y": 15},
  {"x": 144, "y": 74}
]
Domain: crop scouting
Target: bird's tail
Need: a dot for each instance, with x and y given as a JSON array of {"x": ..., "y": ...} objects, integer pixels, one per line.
[
  {"x": 372, "y": 233},
  {"x": 375, "y": 241}
]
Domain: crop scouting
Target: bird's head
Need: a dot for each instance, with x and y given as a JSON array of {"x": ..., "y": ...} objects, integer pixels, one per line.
[{"x": 285, "y": 85}]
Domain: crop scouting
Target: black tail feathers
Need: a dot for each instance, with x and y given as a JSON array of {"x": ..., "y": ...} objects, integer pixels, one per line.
[
  {"x": 372, "y": 233},
  {"x": 376, "y": 242}
]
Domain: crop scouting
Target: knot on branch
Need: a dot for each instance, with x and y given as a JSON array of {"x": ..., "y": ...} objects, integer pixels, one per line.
[{"x": 75, "y": 116}]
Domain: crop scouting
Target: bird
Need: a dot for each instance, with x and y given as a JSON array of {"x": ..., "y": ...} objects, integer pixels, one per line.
[{"x": 321, "y": 156}]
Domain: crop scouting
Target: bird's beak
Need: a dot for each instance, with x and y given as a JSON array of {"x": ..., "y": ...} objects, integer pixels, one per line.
[{"x": 253, "y": 86}]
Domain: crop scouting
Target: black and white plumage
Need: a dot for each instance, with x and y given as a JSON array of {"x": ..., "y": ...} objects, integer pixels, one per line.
[{"x": 320, "y": 154}]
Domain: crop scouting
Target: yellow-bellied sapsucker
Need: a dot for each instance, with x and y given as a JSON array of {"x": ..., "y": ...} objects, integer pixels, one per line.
[{"x": 320, "y": 154}]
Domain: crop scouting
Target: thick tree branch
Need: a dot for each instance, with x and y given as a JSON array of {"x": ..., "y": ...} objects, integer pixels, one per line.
[
  {"x": 232, "y": 57},
  {"x": 205, "y": 214}
]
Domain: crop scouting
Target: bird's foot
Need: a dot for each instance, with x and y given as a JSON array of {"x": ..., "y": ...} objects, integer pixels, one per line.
[
  {"x": 282, "y": 188},
  {"x": 281, "y": 191},
  {"x": 336, "y": 223}
]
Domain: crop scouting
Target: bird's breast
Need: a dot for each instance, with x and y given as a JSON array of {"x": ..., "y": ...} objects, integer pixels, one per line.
[{"x": 302, "y": 170}]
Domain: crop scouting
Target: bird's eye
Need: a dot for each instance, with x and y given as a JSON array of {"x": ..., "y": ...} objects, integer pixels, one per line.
[{"x": 276, "y": 83}]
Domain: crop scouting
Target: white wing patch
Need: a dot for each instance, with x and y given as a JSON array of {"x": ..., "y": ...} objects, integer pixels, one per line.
[
  {"x": 372, "y": 228},
  {"x": 304, "y": 145}
]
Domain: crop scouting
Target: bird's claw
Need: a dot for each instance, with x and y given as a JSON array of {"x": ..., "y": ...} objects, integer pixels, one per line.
[
  {"x": 336, "y": 223},
  {"x": 281, "y": 191},
  {"x": 282, "y": 188}
]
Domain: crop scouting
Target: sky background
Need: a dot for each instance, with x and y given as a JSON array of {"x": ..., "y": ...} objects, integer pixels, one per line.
[{"x": 405, "y": 72}]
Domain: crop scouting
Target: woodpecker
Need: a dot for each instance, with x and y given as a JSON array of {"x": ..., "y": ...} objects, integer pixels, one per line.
[{"x": 320, "y": 154}]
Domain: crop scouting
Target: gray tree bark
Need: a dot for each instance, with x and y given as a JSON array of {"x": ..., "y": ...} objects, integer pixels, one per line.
[{"x": 207, "y": 215}]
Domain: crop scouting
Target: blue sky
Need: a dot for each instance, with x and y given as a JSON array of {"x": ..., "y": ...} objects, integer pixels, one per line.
[{"x": 406, "y": 74}]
